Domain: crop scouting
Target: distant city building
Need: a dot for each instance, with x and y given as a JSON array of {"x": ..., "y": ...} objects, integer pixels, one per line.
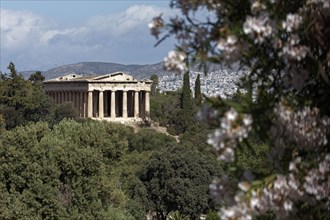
[
  {"x": 113, "y": 97},
  {"x": 215, "y": 83}
]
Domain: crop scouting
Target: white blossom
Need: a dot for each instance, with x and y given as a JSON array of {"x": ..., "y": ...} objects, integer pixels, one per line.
[
  {"x": 325, "y": 3},
  {"x": 317, "y": 181},
  {"x": 175, "y": 60},
  {"x": 283, "y": 193},
  {"x": 244, "y": 186},
  {"x": 258, "y": 28},
  {"x": 257, "y": 6},
  {"x": 233, "y": 129},
  {"x": 307, "y": 128},
  {"x": 296, "y": 52},
  {"x": 229, "y": 48},
  {"x": 220, "y": 188},
  {"x": 292, "y": 22}
]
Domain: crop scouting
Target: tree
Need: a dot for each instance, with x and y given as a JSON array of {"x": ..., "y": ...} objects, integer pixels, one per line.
[
  {"x": 178, "y": 180},
  {"x": 147, "y": 140},
  {"x": 154, "y": 85},
  {"x": 198, "y": 93},
  {"x": 63, "y": 173},
  {"x": 13, "y": 71},
  {"x": 14, "y": 91},
  {"x": 2, "y": 122},
  {"x": 63, "y": 110},
  {"x": 37, "y": 77},
  {"x": 284, "y": 48},
  {"x": 186, "y": 97},
  {"x": 23, "y": 101}
]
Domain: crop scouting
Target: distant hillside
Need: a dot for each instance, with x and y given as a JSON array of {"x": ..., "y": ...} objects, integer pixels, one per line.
[{"x": 99, "y": 68}]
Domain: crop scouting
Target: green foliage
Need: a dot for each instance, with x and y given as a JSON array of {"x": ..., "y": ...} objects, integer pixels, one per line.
[
  {"x": 110, "y": 139},
  {"x": 177, "y": 216},
  {"x": 284, "y": 48},
  {"x": 22, "y": 101},
  {"x": 39, "y": 106},
  {"x": 252, "y": 156},
  {"x": 62, "y": 111},
  {"x": 212, "y": 216},
  {"x": 154, "y": 85},
  {"x": 163, "y": 107},
  {"x": 11, "y": 117},
  {"x": 174, "y": 110},
  {"x": 178, "y": 179},
  {"x": 2, "y": 122},
  {"x": 195, "y": 138},
  {"x": 28, "y": 181},
  {"x": 198, "y": 92},
  {"x": 186, "y": 97},
  {"x": 148, "y": 140},
  {"x": 62, "y": 173},
  {"x": 14, "y": 90},
  {"x": 127, "y": 170},
  {"x": 37, "y": 78}
]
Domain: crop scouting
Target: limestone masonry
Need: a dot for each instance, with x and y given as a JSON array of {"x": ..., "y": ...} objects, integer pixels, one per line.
[{"x": 113, "y": 97}]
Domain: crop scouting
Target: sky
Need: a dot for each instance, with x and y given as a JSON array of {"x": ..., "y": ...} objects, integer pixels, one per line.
[{"x": 40, "y": 35}]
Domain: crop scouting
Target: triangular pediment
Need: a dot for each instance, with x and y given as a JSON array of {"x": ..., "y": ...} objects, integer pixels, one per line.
[
  {"x": 117, "y": 76},
  {"x": 71, "y": 76}
]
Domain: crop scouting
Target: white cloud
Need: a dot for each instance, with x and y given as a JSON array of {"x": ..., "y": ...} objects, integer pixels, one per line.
[
  {"x": 19, "y": 28},
  {"x": 33, "y": 42},
  {"x": 134, "y": 16},
  {"x": 74, "y": 33}
]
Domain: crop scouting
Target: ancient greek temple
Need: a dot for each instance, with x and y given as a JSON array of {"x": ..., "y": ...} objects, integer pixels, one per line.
[{"x": 113, "y": 97}]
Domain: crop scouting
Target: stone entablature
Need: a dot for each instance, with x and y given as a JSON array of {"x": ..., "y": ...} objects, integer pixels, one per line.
[{"x": 114, "y": 97}]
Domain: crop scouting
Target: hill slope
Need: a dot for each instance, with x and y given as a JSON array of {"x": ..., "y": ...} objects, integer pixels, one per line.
[{"x": 99, "y": 68}]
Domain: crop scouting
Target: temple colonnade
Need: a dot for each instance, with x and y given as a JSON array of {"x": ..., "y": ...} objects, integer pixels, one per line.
[
  {"x": 114, "y": 97},
  {"x": 105, "y": 103}
]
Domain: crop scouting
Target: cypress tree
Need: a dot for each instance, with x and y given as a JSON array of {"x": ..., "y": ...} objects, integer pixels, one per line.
[
  {"x": 198, "y": 93},
  {"x": 154, "y": 84},
  {"x": 186, "y": 98}
]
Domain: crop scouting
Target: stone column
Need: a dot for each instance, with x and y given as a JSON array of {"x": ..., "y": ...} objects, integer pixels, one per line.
[
  {"x": 124, "y": 104},
  {"x": 74, "y": 99},
  {"x": 136, "y": 104},
  {"x": 113, "y": 104},
  {"x": 60, "y": 97},
  {"x": 65, "y": 96},
  {"x": 56, "y": 97},
  {"x": 58, "y": 100},
  {"x": 90, "y": 104},
  {"x": 77, "y": 103},
  {"x": 81, "y": 104},
  {"x": 55, "y": 100},
  {"x": 101, "y": 105},
  {"x": 70, "y": 96},
  {"x": 147, "y": 103},
  {"x": 85, "y": 104}
]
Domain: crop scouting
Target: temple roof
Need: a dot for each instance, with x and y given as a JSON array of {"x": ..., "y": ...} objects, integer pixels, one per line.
[{"x": 111, "y": 77}]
